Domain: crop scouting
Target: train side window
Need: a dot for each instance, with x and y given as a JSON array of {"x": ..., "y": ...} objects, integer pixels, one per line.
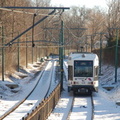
[
  {"x": 96, "y": 71},
  {"x": 70, "y": 73}
]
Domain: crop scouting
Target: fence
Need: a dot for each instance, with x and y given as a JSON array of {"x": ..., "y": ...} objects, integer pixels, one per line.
[{"x": 43, "y": 110}]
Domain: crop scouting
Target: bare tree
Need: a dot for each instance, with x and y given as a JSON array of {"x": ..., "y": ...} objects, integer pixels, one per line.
[{"x": 113, "y": 20}]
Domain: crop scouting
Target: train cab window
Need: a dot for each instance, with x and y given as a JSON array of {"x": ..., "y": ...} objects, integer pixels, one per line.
[
  {"x": 83, "y": 68},
  {"x": 70, "y": 73}
]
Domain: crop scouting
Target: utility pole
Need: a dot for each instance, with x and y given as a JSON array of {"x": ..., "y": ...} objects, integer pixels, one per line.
[
  {"x": 91, "y": 42},
  {"x": 61, "y": 52},
  {"x": 91, "y": 45},
  {"x": 18, "y": 54},
  {"x": 3, "y": 53},
  {"x": 100, "y": 52},
  {"x": 116, "y": 52},
  {"x": 26, "y": 52},
  {"x": 86, "y": 43}
]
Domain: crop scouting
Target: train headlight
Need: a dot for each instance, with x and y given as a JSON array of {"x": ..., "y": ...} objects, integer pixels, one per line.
[
  {"x": 75, "y": 83},
  {"x": 90, "y": 83}
]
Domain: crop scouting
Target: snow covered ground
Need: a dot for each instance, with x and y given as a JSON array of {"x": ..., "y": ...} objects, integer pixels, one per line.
[
  {"x": 26, "y": 80},
  {"x": 37, "y": 95},
  {"x": 104, "y": 100}
]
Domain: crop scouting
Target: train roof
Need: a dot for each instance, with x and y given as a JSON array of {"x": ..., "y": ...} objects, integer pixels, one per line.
[{"x": 82, "y": 56}]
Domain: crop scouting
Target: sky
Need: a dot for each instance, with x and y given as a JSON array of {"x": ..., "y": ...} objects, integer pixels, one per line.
[{"x": 87, "y": 3}]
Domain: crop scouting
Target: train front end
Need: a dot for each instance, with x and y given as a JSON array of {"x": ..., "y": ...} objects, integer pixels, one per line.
[{"x": 83, "y": 72}]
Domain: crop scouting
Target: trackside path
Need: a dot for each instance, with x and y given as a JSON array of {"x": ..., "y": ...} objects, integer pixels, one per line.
[{"x": 63, "y": 107}]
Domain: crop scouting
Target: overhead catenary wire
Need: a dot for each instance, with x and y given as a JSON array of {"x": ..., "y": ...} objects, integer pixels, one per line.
[
  {"x": 47, "y": 23},
  {"x": 28, "y": 13},
  {"x": 20, "y": 12},
  {"x": 75, "y": 36},
  {"x": 29, "y": 46},
  {"x": 70, "y": 30},
  {"x": 35, "y": 41},
  {"x": 39, "y": 21},
  {"x": 79, "y": 38},
  {"x": 110, "y": 47},
  {"x": 52, "y": 36},
  {"x": 43, "y": 29},
  {"x": 28, "y": 37},
  {"x": 10, "y": 10}
]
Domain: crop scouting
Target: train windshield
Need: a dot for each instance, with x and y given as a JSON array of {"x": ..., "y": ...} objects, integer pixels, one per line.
[{"x": 83, "y": 68}]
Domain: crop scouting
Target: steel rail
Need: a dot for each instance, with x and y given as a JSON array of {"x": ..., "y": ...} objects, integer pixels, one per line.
[
  {"x": 51, "y": 78},
  {"x": 70, "y": 108},
  {"x": 48, "y": 90},
  {"x": 92, "y": 109},
  {"x": 50, "y": 81},
  {"x": 15, "y": 107},
  {"x": 92, "y": 104},
  {"x": 71, "y": 99}
]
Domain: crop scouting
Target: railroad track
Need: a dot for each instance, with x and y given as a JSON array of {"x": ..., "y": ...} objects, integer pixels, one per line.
[
  {"x": 82, "y": 108},
  {"x": 52, "y": 76},
  {"x": 20, "y": 102},
  {"x": 73, "y": 107},
  {"x": 34, "y": 97}
]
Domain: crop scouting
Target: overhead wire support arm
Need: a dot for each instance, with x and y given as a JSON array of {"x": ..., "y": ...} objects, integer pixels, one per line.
[
  {"x": 16, "y": 11},
  {"x": 15, "y": 7},
  {"x": 22, "y": 12},
  {"x": 37, "y": 41},
  {"x": 10, "y": 43}
]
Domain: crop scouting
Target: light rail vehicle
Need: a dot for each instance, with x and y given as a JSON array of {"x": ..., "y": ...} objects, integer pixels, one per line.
[{"x": 83, "y": 70}]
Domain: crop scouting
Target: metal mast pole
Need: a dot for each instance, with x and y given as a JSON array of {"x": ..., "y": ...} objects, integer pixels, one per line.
[
  {"x": 3, "y": 64},
  {"x": 100, "y": 53},
  {"x": 61, "y": 53},
  {"x": 116, "y": 54}
]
